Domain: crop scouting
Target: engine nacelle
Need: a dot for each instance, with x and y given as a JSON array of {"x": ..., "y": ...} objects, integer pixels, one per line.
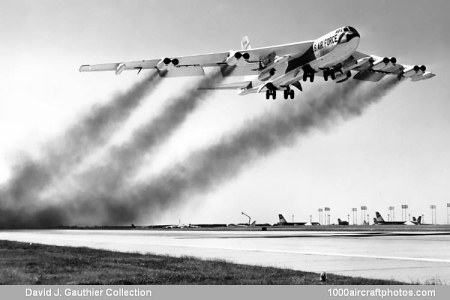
[
  {"x": 426, "y": 75},
  {"x": 270, "y": 69},
  {"x": 355, "y": 64},
  {"x": 384, "y": 63},
  {"x": 167, "y": 63},
  {"x": 416, "y": 70},
  {"x": 266, "y": 74},
  {"x": 341, "y": 77},
  {"x": 236, "y": 58}
]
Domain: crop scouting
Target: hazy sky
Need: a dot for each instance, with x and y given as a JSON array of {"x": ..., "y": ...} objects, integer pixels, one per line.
[{"x": 395, "y": 153}]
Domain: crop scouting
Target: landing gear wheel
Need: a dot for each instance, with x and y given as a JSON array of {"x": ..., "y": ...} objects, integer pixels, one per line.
[
  {"x": 326, "y": 73},
  {"x": 291, "y": 94},
  {"x": 272, "y": 93},
  {"x": 305, "y": 76}
]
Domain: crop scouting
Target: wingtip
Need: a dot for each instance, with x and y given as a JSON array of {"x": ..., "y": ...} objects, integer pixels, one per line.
[{"x": 83, "y": 68}]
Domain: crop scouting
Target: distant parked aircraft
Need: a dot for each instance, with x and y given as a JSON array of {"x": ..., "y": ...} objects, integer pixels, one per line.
[
  {"x": 283, "y": 222},
  {"x": 253, "y": 224},
  {"x": 342, "y": 222},
  {"x": 380, "y": 221}
]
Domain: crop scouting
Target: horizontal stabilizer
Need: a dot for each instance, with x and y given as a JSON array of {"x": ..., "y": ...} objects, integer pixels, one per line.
[{"x": 228, "y": 86}]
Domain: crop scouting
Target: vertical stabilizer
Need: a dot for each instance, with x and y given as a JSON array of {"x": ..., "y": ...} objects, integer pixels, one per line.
[
  {"x": 282, "y": 219},
  {"x": 379, "y": 217}
]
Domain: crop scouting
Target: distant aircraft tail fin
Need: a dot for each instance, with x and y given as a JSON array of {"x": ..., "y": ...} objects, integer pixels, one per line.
[
  {"x": 419, "y": 220},
  {"x": 414, "y": 219},
  {"x": 339, "y": 221},
  {"x": 282, "y": 219},
  {"x": 379, "y": 217},
  {"x": 245, "y": 43},
  {"x": 253, "y": 224},
  {"x": 375, "y": 221}
]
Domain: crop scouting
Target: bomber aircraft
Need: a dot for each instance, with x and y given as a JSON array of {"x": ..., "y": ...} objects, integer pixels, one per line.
[
  {"x": 283, "y": 222},
  {"x": 380, "y": 221},
  {"x": 279, "y": 68}
]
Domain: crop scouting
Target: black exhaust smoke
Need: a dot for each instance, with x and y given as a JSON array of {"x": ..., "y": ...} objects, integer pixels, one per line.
[
  {"x": 207, "y": 168},
  {"x": 121, "y": 161},
  {"x": 31, "y": 176}
]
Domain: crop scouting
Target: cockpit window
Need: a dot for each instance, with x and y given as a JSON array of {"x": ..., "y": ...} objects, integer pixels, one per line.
[
  {"x": 352, "y": 29},
  {"x": 346, "y": 29}
]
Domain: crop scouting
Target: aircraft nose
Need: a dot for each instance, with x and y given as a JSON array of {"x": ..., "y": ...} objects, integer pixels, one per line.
[{"x": 352, "y": 33}]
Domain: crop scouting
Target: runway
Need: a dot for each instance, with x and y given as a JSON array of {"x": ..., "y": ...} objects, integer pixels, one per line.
[{"x": 414, "y": 257}]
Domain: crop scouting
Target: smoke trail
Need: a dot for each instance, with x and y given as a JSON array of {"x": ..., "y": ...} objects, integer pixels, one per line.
[
  {"x": 30, "y": 176},
  {"x": 204, "y": 169},
  {"x": 122, "y": 160}
]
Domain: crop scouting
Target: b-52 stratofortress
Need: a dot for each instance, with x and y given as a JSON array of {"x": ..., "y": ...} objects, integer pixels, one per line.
[
  {"x": 380, "y": 221},
  {"x": 279, "y": 68}
]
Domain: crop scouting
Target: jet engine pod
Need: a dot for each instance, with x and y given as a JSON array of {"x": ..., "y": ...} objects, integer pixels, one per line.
[
  {"x": 416, "y": 70},
  {"x": 236, "y": 58},
  {"x": 385, "y": 63},
  {"x": 167, "y": 63},
  {"x": 341, "y": 77},
  {"x": 266, "y": 74}
]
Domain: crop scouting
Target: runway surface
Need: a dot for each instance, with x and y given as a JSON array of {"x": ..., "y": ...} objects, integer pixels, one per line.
[{"x": 411, "y": 257}]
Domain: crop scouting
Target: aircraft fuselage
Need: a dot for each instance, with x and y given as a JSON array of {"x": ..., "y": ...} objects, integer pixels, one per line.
[{"x": 325, "y": 52}]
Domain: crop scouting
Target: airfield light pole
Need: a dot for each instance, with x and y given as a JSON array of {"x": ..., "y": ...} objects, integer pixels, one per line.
[
  {"x": 320, "y": 215},
  {"x": 388, "y": 218},
  {"x": 363, "y": 215},
  {"x": 348, "y": 218},
  {"x": 310, "y": 219},
  {"x": 391, "y": 208},
  {"x": 433, "y": 214},
  {"x": 327, "y": 214},
  {"x": 448, "y": 205},
  {"x": 404, "y": 208},
  {"x": 354, "y": 211},
  {"x": 292, "y": 218}
]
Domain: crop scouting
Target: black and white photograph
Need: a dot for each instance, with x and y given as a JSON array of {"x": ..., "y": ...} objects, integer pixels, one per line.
[{"x": 224, "y": 149}]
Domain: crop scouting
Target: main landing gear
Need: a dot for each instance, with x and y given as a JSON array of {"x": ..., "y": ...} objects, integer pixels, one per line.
[
  {"x": 272, "y": 93},
  {"x": 289, "y": 94},
  {"x": 329, "y": 72},
  {"x": 286, "y": 93}
]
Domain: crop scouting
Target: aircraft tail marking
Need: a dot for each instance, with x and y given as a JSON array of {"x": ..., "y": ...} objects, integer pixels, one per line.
[{"x": 282, "y": 219}]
